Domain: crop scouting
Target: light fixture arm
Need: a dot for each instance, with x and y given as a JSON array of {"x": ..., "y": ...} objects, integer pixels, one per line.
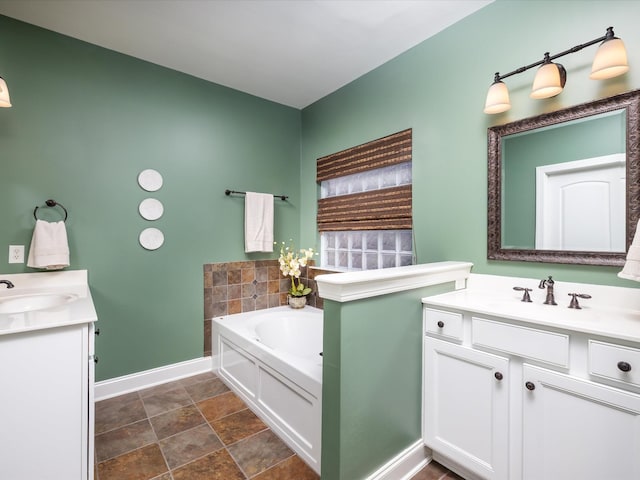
[
  {"x": 610, "y": 61},
  {"x": 608, "y": 36}
]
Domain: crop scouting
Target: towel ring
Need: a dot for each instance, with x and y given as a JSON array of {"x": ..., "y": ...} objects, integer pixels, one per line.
[{"x": 51, "y": 203}]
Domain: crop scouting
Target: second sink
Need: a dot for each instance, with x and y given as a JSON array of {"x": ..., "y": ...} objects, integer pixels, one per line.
[{"x": 34, "y": 301}]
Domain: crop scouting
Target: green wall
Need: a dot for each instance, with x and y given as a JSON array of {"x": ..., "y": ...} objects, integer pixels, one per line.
[
  {"x": 372, "y": 381},
  {"x": 438, "y": 88},
  {"x": 85, "y": 121}
]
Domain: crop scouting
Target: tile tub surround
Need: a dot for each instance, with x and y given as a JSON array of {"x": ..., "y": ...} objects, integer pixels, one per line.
[{"x": 237, "y": 287}]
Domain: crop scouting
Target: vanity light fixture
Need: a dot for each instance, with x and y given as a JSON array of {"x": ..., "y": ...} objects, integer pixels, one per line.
[
  {"x": 549, "y": 80},
  {"x": 5, "y": 101},
  {"x": 610, "y": 61}
]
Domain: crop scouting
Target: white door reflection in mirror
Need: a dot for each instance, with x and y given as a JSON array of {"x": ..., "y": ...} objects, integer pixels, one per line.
[{"x": 580, "y": 205}]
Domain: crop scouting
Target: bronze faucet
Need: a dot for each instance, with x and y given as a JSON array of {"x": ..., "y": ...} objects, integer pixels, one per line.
[
  {"x": 525, "y": 296},
  {"x": 7, "y": 283},
  {"x": 548, "y": 284},
  {"x": 574, "y": 300}
]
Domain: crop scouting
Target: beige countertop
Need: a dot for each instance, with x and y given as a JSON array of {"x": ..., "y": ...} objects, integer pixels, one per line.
[
  {"x": 612, "y": 311},
  {"x": 74, "y": 284}
]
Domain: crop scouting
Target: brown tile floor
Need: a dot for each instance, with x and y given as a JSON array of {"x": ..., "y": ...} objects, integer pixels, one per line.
[
  {"x": 435, "y": 471},
  {"x": 194, "y": 429},
  {"x": 190, "y": 429}
]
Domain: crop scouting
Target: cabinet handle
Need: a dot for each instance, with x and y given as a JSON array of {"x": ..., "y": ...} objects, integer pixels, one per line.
[
  {"x": 498, "y": 375},
  {"x": 440, "y": 323},
  {"x": 530, "y": 386},
  {"x": 624, "y": 366},
  {"x": 97, "y": 332},
  {"x": 95, "y": 359}
]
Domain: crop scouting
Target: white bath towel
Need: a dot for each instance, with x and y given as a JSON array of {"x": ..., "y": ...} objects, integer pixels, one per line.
[
  {"x": 49, "y": 247},
  {"x": 258, "y": 222},
  {"x": 631, "y": 269}
]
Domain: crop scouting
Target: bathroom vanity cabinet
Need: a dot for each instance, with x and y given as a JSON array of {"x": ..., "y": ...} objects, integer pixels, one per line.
[
  {"x": 47, "y": 378},
  {"x": 45, "y": 404},
  {"x": 528, "y": 391}
]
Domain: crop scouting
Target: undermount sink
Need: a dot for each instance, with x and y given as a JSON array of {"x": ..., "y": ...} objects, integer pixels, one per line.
[{"x": 34, "y": 301}]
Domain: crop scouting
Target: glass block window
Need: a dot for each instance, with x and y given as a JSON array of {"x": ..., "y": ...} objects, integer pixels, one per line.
[
  {"x": 393, "y": 176},
  {"x": 366, "y": 250},
  {"x": 365, "y": 206}
]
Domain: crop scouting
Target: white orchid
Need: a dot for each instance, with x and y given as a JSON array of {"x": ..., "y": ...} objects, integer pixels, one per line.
[{"x": 291, "y": 265}]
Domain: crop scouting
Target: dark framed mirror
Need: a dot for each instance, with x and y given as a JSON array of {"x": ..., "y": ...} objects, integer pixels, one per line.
[{"x": 564, "y": 187}]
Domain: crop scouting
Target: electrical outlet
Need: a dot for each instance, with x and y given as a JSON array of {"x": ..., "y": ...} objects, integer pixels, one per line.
[{"x": 16, "y": 253}]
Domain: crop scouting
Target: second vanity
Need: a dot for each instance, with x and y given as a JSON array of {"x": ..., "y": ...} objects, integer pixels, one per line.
[
  {"x": 46, "y": 373},
  {"x": 528, "y": 391}
]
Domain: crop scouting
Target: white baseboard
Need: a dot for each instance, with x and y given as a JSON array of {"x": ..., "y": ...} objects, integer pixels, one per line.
[
  {"x": 404, "y": 465},
  {"x": 215, "y": 363},
  {"x": 149, "y": 378}
]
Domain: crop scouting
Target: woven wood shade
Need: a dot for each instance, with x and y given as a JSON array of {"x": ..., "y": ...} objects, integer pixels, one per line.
[
  {"x": 388, "y": 209},
  {"x": 385, "y": 151}
]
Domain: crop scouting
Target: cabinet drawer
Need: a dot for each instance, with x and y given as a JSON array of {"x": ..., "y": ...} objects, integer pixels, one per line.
[
  {"x": 548, "y": 347},
  {"x": 443, "y": 324},
  {"x": 610, "y": 361}
]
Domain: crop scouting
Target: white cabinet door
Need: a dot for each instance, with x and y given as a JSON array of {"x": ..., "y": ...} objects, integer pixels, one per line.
[
  {"x": 466, "y": 407},
  {"x": 578, "y": 429},
  {"x": 44, "y": 404}
]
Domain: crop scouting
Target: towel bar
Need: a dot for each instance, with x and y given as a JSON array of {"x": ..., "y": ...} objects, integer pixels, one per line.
[
  {"x": 51, "y": 203},
  {"x": 229, "y": 192}
]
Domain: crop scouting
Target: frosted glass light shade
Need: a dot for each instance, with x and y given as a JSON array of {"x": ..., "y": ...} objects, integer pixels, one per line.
[
  {"x": 5, "y": 101},
  {"x": 610, "y": 60},
  {"x": 497, "y": 98},
  {"x": 549, "y": 81}
]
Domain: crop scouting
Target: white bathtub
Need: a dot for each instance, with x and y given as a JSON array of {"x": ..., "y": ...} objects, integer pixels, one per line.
[{"x": 272, "y": 359}]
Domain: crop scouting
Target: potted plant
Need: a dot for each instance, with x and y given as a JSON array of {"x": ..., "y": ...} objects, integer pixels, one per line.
[{"x": 291, "y": 263}]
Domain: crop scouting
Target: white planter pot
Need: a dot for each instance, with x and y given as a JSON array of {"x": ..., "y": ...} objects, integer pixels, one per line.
[{"x": 297, "y": 302}]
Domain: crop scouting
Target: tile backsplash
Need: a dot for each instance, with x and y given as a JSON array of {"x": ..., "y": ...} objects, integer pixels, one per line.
[{"x": 236, "y": 287}]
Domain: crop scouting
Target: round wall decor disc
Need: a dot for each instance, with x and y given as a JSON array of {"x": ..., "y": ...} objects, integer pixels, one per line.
[
  {"x": 151, "y": 209},
  {"x": 151, "y": 238},
  {"x": 150, "y": 180}
]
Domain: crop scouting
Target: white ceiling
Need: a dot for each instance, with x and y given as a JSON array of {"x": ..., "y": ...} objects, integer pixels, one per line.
[{"x": 292, "y": 52}]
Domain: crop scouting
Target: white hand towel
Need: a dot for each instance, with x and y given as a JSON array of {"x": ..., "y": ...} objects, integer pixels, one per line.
[
  {"x": 49, "y": 248},
  {"x": 631, "y": 269},
  {"x": 258, "y": 222}
]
